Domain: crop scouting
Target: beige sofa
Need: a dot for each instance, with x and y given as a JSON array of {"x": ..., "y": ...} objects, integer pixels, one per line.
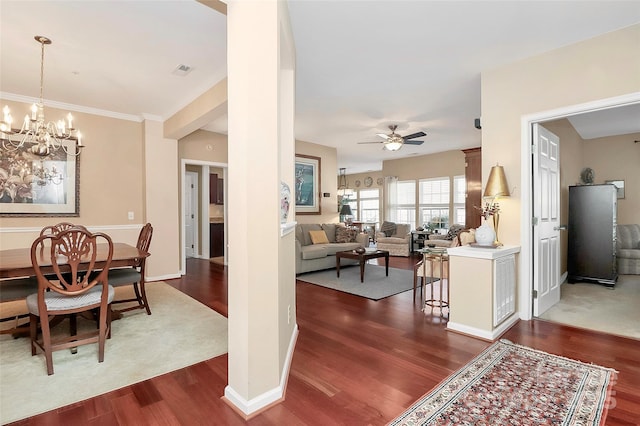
[
  {"x": 446, "y": 240},
  {"x": 314, "y": 257},
  {"x": 628, "y": 249}
]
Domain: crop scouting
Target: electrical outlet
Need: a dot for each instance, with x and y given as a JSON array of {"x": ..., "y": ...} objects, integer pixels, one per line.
[
  {"x": 289, "y": 314},
  {"x": 130, "y": 215}
]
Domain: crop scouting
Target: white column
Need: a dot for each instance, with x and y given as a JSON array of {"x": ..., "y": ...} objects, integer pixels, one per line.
[{"x": 261, "y": 267}]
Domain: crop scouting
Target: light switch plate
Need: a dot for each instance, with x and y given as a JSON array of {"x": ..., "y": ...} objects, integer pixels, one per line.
[{"x": 130, "y": 214}]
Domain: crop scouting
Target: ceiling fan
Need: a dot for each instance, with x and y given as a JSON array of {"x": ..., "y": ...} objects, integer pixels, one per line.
[{"x": 394, "y": 141}]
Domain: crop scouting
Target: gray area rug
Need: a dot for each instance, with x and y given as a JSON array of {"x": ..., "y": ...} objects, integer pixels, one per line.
[
  {"x": 180, "y": 332},
  {"x": 376, "y": 285}
]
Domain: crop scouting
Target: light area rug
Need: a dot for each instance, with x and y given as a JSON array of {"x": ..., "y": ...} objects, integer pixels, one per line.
[
  {"x": 516, "y": 385},
  {"x": 376, "y": 285},
  {"x": 180, "y": 332},
  {"x": 219, "y": 260},
  {"x": 597, "y": 307}
]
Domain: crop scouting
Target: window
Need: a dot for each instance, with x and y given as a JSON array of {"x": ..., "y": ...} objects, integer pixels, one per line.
[
  {"x": 434, "y": 202},
  {"x": 403, "y": 210},
  {"x": 369, "y": 205},
  {"x": 459, "y": 197}
]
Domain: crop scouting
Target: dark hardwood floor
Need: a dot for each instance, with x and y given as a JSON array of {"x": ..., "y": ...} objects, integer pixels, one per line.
[{"x": 356, "y": 362}]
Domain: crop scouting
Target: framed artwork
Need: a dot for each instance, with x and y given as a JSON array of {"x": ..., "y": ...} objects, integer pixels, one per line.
[
  {"x": 34, "y": 186},
  {"x": 307, "y": 181},
  {"x": 619, "y": 184}
]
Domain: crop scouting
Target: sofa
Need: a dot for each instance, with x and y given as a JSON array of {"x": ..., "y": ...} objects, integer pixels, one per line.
[
  {"x": 446, "y": 240},
  {"x": 628, "y": 249},
  {"x": 314, "y": 252}
]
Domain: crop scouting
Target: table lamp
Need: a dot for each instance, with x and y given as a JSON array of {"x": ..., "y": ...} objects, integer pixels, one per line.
[
  {"x": 345, "y": 211},
  {"x": 496, "y": 187}
]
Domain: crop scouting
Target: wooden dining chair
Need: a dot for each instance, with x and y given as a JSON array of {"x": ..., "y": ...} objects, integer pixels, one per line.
[
  {"x": 80, "y": 285},
  {"x": 134, "y": 275},
  {"x": 15, "y": 289},
  {"x": 59, "y": 227}
]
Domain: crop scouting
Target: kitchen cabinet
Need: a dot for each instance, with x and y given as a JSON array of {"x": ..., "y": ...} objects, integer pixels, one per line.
[
  {"x": 216, "y": 239},
  {"x": 216, "y": 189}
]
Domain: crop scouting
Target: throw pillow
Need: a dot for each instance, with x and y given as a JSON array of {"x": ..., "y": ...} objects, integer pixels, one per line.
[
  {"x": 453, "y": 232},
  {"x": 389, "y": 228},
  {"x": 345, "y": 235},
  {"x": 330, "y": 230},
  {"x": 318, "y": 237}
]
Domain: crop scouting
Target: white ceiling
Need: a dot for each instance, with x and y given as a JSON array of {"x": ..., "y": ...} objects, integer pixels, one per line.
[{"x": 361, "y": 65}]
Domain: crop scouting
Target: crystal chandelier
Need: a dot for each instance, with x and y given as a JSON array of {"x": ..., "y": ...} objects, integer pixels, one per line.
[
  {"x": 37, "y": 135},
  {"x": 43, "y": 175},
  {"x": 343, "y": 187}
]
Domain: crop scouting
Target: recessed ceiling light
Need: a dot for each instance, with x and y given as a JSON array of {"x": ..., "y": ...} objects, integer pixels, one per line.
[{"x": 182, "y": 70}]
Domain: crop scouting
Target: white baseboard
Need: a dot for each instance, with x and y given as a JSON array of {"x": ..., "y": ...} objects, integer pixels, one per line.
[
  {"x": 484, "y": 334},
  {"x": 249, "y": 407},
  {"x": 162, "y": 277}
]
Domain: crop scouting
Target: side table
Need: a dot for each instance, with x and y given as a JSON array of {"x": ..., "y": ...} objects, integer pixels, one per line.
[
  {"x": 437, "y": 258},
  {"x": 418, "y": 238}
]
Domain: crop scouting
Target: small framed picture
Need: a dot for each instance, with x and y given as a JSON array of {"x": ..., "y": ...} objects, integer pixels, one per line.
[{"x": 619, "y": 184}]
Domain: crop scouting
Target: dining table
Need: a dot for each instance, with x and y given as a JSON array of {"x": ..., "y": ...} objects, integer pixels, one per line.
[{"x": 16, "y": 262}]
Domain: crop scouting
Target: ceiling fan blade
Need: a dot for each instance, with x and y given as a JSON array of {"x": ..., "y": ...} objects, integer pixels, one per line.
[
  {"x": 414, "y": 135},
  {"x": 413, "y": 142},
  {"x": 371, "y": 142},
  {"x": 383, "y": 136}
]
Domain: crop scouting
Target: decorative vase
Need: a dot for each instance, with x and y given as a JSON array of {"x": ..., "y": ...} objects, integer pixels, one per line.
[
  {"x": 285, "y": 201},
  {"x": 485, "y": 235}
]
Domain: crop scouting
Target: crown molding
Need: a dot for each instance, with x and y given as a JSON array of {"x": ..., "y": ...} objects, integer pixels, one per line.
[{"x": 71, "y": 107}]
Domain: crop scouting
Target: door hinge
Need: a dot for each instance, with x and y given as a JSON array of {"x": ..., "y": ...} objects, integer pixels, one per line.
[
  {"x": 534, "y": 149},
  {"x": 535, "y": 294},
  {"x": 534, "y": 221},
  {"x": 192, "y": 217},
  {"x": 192, "y": 186}
]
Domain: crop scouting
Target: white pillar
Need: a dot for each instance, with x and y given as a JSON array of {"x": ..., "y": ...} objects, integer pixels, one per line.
[{"x": 261, "y": 153}]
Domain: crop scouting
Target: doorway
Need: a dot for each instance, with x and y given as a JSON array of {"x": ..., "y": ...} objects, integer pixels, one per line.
[
  {"x": 202, "y": 225},
  {"x": 529, "y": 183},
  {"x": 191, "y": 214}
]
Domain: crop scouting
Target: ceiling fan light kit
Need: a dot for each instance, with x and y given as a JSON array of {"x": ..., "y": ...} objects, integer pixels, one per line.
[{"x": 393, "y": 141}]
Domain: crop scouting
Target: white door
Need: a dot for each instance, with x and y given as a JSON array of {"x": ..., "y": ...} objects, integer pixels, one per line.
[
  {"x": 190, "y": 213},
  {"x": 546, "y": 229}
]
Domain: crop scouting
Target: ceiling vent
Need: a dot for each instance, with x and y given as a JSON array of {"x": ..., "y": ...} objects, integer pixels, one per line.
[{"x": 182, "y": 70}]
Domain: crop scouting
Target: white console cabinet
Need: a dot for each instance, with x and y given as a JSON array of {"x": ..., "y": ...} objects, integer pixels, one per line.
[{"x": 483, "y": 286}]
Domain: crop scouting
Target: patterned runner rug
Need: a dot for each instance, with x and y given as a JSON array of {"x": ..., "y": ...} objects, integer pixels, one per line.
[{"x": 509, "y": 384}]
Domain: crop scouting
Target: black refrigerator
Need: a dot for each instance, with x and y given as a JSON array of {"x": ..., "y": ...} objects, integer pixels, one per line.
[{"x": 591, "y": 238}]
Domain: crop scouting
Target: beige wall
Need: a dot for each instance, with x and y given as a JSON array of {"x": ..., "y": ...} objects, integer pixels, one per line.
[
  {"x": 599, "y": 68},
  {"x": 111, "y": 179},
  {"x": 328, "y": 182},
  {"x": 618, "y": 158},
  {"x": 449, "y": 163}
]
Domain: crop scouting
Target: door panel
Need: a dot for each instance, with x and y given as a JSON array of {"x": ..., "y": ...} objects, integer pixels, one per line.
[{"x": 546, "y": 182}]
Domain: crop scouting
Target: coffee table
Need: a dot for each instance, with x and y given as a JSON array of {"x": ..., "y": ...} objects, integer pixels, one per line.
[{"x": 362, "y": 259}]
